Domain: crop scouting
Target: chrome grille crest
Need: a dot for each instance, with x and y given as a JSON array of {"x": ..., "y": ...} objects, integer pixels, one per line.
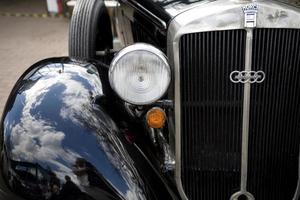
[{"x": 247, "y": 76}]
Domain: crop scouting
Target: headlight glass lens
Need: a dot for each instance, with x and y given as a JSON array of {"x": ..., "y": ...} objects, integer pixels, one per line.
[{"x": 140, "y": 74}]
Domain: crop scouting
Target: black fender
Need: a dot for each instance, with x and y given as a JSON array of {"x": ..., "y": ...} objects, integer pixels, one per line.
[{"x": 59, "y": 142}]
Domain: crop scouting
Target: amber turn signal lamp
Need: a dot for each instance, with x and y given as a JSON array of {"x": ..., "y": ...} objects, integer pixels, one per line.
[{"x": 156, "y": 117}]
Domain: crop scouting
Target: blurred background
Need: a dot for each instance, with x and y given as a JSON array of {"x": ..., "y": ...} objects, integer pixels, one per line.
[{"x": 30, "y": 30}]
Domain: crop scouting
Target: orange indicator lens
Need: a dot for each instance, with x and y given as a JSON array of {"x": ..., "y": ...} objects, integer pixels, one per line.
[{"x": 156, "y": 117}]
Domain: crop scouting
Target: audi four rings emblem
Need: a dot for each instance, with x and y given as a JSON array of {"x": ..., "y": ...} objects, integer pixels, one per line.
[{"x": 247, "y": 76}]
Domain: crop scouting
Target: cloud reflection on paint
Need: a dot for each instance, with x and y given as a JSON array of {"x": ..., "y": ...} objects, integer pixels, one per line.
[{"x": 59, "y": 124}]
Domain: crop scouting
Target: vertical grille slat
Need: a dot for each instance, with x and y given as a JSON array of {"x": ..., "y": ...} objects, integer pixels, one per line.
[
  {"x": 275, "y": 115},
  {"x": 211, "y": 113}
]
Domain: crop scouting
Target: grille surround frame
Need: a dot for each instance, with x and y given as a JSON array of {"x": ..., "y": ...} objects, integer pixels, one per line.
[{"x": 196, "y": 20}]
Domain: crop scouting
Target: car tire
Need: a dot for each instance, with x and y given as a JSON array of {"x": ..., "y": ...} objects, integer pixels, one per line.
[{"x": 90, "y": 29}]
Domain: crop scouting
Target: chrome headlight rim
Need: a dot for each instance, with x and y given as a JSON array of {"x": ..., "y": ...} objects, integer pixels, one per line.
[{"x": 146, "y": 48}]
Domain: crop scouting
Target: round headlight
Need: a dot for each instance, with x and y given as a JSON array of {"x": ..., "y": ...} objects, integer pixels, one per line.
[{"x": 140, "y": 74}]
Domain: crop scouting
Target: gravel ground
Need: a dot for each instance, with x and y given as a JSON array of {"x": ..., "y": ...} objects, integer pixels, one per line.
[{"x": 26, "y": 40}]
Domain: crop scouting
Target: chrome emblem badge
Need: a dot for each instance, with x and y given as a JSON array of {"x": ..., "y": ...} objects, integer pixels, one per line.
[
  {"x": 247, "y": 76},
  {"x": 250, "y": 12}
]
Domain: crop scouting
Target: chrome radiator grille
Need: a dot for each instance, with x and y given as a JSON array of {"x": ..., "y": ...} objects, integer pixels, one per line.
[
  {"x": 275, "y": 115},
  {"x": 212, "y": 112}
]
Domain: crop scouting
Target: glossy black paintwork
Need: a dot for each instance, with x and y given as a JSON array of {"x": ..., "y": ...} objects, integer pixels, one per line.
[
  {"x": 61, "y": 143},
  {"x": 150, "y": 19},
  {"x": 163, "y": 9}
]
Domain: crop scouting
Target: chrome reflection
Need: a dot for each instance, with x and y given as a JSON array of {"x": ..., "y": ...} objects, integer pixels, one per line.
[
  {"x": 218, "y": 16},
  {"x": 247, "y": 76}
]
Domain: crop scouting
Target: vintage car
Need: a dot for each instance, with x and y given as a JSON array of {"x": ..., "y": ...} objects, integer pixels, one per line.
[{"x": 158, "y": 100}]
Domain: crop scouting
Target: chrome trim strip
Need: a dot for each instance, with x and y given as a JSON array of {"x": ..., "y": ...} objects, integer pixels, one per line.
[
  {"x": 246, "y": 121},
  {"x": 215, "y": 16},
  {"x": 237, "y": 195},
  {"x": 246, "y": 113},
  {"x": 177, "y": 119},
  {"x": 297, "y": 191}
]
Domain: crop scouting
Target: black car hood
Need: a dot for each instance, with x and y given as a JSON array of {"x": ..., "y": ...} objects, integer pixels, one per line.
[{"x": 165, "y": 10}]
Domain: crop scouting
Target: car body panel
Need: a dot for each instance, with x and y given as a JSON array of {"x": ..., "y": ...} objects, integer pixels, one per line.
[
  {"x": 60, "y": 141},
  {"x": 148, "y": 20}
]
